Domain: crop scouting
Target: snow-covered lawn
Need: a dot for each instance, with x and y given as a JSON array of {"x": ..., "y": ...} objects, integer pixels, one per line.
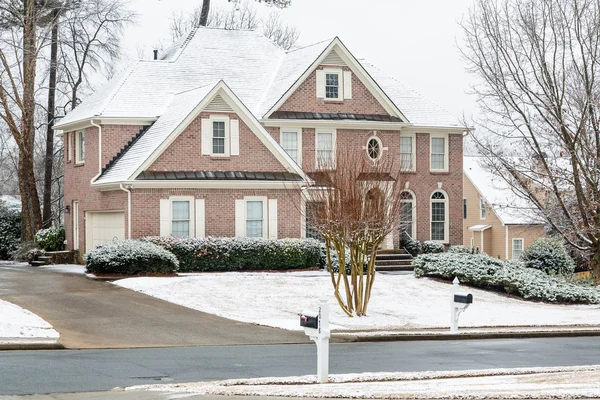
[
  {"x": 547, "y": 383},
  {"x": 398, "y": 302},
  {"x": 19, "y": 325}
]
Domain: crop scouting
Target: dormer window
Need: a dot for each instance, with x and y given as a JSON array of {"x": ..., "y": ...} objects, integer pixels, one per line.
[
  {"x": 218, "y": 137},
  {"x": 332, "y": 85}
]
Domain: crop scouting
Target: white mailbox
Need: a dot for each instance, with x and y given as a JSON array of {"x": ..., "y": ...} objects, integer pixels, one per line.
[
  {"x": 460, "y": 302},
  {"x": 316, "y": 327}
]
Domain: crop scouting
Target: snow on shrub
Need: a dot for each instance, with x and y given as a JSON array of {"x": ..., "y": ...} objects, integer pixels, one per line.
[
  {"x": 549, "y": 256},
  {"x": 51, "y": 239},
  {"x": 130, "y": 257},
  {"x": 431, "y": 246},
  {"x": 486, "y": 272},
  {"x": 233, "y": 254},
  {"x": 10, "y": 231},
  {"x": 412, "y": 246},
  {"x": 459, "y": 248}
]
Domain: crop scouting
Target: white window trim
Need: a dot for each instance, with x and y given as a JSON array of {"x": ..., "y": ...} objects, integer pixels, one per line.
[
  {"x": 513, "y": 246},
  {"x": 340, "y": 74},
  {"x": 334, "y": 146},
  {"x": 378, "y": 139},
  {"x": 446, "y": 221},
  {"x": 192, "y": 202},
  {"x": 265, "y": 226},
  {"x": 78, "y": 158},
  {"x": 299, "y": 132},
  {"x": 225, "y": 119},
  {"x": 482, "y": 209},
  {"x": 414, "y": 153},
  {"x": 442, "y": 136},
  {"x": 413, "y": 234}
]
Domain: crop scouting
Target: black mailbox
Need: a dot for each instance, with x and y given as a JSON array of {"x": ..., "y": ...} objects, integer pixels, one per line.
[
  {"x": 463, "y": 298},
  {"x": 309, "y": 321}
]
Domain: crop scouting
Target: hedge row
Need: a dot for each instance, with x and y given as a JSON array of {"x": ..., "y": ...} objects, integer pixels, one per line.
[
  {"x": 235, "y": 254},
  {"x": 130, "y": 257},
  {"x": 486, "y": 272}
]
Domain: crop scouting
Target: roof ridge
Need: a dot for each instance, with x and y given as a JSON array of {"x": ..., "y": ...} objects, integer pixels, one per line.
[{"x": 309, "y": 45}]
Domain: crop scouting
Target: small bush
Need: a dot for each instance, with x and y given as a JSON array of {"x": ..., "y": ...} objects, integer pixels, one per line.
[
  {"x": 51, "y": 239},
  {"x": 234, "y": 254},
  {"x": 412, "y": 246},
  {"x": 130, "y": 257},
  {"x": 549, "y": 256},
  {"x": 10, "y": 231},
  {"x": 23, "y": 251},
  {"x": 512, "y": 277},
  {"x": 460, "y": 249},
  {"x": 431, "y": 246}
]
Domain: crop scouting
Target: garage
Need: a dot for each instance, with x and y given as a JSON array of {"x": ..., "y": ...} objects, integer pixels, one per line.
[{"x": 103, "y": 227}]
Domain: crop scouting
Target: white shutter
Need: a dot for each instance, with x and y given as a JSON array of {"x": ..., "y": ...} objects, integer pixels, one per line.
[
  {"x": 273, "y": 219},
  {"x": 320, "y": 83},
  {"x": 165, "y": 217},
  {"x": 200, "y": 219},
  {"x": 206, "y": 137},
  {"x": 240, "y": 216},
  {"x": 347, "y": 84},
  {"x": 234, "y": 131}
]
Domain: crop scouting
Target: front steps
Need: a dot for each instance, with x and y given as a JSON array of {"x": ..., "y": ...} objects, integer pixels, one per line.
[{"x": 393, "y": 260}]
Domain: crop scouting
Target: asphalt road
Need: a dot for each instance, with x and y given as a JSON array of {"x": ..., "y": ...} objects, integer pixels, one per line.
[{"x": 30, "y": 372}]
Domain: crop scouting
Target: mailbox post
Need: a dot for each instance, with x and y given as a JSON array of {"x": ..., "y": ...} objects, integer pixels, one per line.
[
  {"x": 459, "y": 303},
  {"x": 316, "y": 326}
]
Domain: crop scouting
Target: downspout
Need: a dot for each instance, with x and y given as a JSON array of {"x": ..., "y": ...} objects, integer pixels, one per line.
[
  {"x": 481, "y": 235},
  {"x": 99, "y": 150},
  {"x": 506, "y": 244},
  {"x": 127, "y": 188}
]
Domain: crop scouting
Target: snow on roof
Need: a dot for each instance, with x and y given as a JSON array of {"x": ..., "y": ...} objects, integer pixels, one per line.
[
  {"x": 510, "y": 208},
  {"x": 255, "y": 69},
  {"x": 479, "y": 228}
]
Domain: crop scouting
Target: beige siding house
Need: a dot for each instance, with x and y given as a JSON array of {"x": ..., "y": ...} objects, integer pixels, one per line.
[{"x": 495, "y": 220}]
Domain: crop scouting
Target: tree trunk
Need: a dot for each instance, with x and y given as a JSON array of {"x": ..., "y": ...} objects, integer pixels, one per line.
[
  {"x": 595, "y": 263},
  {"x": 204, "y": 12},
  {"x": 47, "y": 215}
]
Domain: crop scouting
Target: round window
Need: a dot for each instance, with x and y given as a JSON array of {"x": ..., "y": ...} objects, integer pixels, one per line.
[{"x": 374, "y": 148}]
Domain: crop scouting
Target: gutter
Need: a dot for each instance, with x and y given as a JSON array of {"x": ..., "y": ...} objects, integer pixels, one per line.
[{"x": 127, "y": 188}]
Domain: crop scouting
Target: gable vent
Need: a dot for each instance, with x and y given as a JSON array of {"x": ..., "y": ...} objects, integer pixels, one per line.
[
  {"x": 333, "y": 58},
  {"x": 218, "y": 104}
]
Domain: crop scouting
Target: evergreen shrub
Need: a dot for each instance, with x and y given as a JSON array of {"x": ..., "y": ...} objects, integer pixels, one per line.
[
  {"x": 51, "y": 239},
  {"x": 549, "y": 256},
  {"x": 431, "y": 246},
  {"x": 10, "y": 231},
  {"x": 130, "y": 257}
]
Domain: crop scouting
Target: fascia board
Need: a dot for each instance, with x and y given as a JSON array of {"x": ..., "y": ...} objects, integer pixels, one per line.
[{"x": 312, "y": 123}]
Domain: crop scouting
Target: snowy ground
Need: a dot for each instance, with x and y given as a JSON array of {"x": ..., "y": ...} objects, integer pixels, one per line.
[
  {"x": 18, "y": 325},
  {"x": 398, "y": 302},
  {"x": 530, "y": 383}
]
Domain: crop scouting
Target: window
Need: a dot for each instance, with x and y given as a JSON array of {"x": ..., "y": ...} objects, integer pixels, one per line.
[
  {"x": 464, "y": 208},
  {"x": 180, "y": 218},
  {"x": 325, "y": 149},
  {"x": 80, "y": 147},
  {"x": 406, "y": 153},
  {"x": 218, "y": 141},
  {"x": 374, "y": 148},
  {"x": 290, "y": 141},
  {"x": 517, "y": 248},
  {"x": 254, "y": 218},
  {"x": 482, "y": 208},
  {"x": 332, "y": 85},
  {"x": 407, "y": 214},
  {"x": 438, "y": 154},
  {"x": 439, "y": 222}
]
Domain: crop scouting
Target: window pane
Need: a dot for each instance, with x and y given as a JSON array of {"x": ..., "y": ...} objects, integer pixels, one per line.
[
  {"x": 405, "y": 162},
  {"x": 289, "y": 142},
  {"x": 373, "y": 149},
  {"x": 180, "y": 228},
  {"x": 405, "y": 145},
  {"x": 331, "y": 79},
  {"x": 437, "y": 146},
  {"x": 82, "y": 145},
  {"x": 406, "y": 217},
  {"x": 437, "y": 231},
  {"x": 218, "y": 146},
  {"x": 438, "y": 212},
  {"x": 331, "y": 86},
  {"x": 181, "y": 210},
  {"x": 254, "y": 209},
  {"x": 254, "y": 229},
  {"x": 218, "y": 137},
  {"x": 219, "y": 129},
  {"x": 324, "y": 141},
  {"x": 437, "y": 161}
]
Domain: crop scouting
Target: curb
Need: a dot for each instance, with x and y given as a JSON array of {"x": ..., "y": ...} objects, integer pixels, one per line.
[{"x": 31, "y": 346}]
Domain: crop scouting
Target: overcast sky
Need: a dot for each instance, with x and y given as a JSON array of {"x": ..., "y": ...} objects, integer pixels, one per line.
[{"x": 415, "y": 41}]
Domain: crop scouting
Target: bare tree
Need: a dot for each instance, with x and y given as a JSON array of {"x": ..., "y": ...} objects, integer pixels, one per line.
[
  {"x": 355, "y": 206},
  {"x": 538, "y": 64},
  {"x": 284, "y": 35},
  {"x": 205, "y": 10}
]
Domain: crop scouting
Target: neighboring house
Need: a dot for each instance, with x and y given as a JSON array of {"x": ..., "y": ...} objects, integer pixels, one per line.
[
  {"x": 496, "y": 220},
  {"x": 209, "y": 139}
]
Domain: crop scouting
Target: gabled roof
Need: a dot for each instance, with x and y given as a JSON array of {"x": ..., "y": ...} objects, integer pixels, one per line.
[
  {"x": 510, "y": 208},
  {"x": 256, "y": 70},
  {"x": 181, "y": 110}
]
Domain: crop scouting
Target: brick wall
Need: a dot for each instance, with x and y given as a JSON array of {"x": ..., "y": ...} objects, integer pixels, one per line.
[
  {"x": 114, "y": 138},
  {"x": 185, "y": 154}
]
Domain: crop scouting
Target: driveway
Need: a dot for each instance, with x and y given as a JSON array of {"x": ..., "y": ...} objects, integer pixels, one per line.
[{"x": 91, "y": 314}]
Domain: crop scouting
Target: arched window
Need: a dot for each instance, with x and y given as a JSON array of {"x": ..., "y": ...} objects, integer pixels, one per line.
[
  {"x": 374, "y": 148},
  {"x": 408, "y": 214},
  {"x": 439, "y": 216}
]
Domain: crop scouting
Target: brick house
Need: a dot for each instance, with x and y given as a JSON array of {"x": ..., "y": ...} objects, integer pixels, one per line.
[{"x": 206, "y": 139}]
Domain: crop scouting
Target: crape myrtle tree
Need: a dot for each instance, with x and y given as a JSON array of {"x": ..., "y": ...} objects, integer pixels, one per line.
[
  {"x": 356, "y": 204},
  {"x": 538, "y": 67}
]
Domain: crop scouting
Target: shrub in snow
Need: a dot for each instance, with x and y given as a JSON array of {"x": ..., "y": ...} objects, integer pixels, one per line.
[
  {"x": 234, "y": 254},
  {"x": 10, "y": 231},
  {"x": 549, "y": 256},
  {"x": 51, "y": 239},
  {"x": 431, "y": 246},
  {"x": 130, "y": 257},
  {"x": 460, "y": 249},
  {"x": 409, "y": 244},
  {"x": 486, "y": 272}
]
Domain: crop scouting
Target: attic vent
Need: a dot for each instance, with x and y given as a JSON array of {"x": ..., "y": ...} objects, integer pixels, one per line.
[
  {"x": 218, "y": 104},
  {"x": 333, "y": 58}
]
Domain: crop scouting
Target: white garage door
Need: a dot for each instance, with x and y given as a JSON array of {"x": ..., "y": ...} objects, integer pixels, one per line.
[{"x": 103, "y": 227}]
